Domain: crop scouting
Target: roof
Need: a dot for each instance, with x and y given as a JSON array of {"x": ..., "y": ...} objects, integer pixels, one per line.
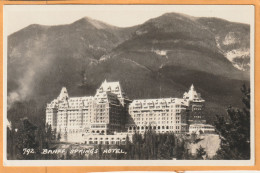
[
  {"x": 192, "y": 95},
  {"x": 113, "y": 87}
]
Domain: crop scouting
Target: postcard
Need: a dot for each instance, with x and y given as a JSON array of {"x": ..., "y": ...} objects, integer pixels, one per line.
[{"x": 129, "y": 85}]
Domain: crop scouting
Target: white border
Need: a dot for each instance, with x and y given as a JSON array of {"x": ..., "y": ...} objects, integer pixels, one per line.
[
  {"x": 4, "y": 88},
  {"x": 250, "y": 162},
  {"x": 252, "y": 87}
]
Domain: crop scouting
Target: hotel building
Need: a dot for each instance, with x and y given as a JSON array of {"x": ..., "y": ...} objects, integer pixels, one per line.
[
  {"x": 165, "y": 114},
  {"x": 109, "y": 115},
  {"x": 103, "y": 114}
]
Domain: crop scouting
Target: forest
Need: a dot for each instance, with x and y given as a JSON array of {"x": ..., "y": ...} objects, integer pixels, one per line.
[{"x": 26, "y": 139}]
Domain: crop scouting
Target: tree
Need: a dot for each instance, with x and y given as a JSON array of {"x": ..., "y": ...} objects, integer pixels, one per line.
[
  {"x": 68, "y": 155},
  {"x": 151, "y": 146},
  {"x": 193, "y": 137},
  {"x": 58, "y": 137},
  {"x": 181, "y": 151},
  {"x": 49, "y": 133},
  {"x": 234, "y": 131},
  {"x": 26, "y": 139},
  {"x": 200, "y": 152}
]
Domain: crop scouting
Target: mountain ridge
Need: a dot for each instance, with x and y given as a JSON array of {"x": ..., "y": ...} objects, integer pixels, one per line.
[{"x": 158, "y": 58}]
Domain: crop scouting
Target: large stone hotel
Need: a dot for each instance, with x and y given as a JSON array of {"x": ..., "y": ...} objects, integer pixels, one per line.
[{"x": 109, "y": 116}]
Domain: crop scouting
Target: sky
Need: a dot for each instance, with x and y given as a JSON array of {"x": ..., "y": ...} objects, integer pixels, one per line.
[{"x": 17, "y": 17}]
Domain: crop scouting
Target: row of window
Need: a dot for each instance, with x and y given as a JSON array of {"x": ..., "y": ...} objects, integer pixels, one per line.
[
  {"x": 155, "y": 115},
  {"x": 151, "y": 127},
  {"x": 158, "y": 122},
  {"x": 139, "y": 105},
  {"x": 158, "y": 118},
  {"x": 152, "y": 112}
]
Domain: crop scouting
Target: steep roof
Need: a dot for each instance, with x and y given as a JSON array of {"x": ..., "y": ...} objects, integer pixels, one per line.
[
  {"x": 192, "y": 95},
  {"x": 113, "y": 87}
]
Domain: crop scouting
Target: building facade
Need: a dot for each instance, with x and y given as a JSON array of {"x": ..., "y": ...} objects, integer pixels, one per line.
[
  {"x": 166, "y": 114},
  {"x": 161, "y": 115},
  {"x": 108, "y": 116},
  {"x": 195, "y": 107},
  {"x": 102, "y": 114}
]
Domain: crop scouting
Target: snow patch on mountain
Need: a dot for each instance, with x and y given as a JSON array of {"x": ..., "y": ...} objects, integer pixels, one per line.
[
  {"x": 237, "y": 53},
  {"x": 160, "y": 52},
  {"x": 104, "y": 58},
  {"x": 233, "y": 56}
]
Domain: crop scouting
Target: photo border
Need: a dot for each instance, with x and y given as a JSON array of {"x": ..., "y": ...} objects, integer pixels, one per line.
[{"x": 140, "y": 168}]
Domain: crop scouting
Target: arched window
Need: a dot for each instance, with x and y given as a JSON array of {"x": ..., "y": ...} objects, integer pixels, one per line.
[
  {"x": 167, "y": 127},
  {"x": 130, "y": 128}
]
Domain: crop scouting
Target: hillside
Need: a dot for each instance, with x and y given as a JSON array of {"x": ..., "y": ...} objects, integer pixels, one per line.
[
  {"x": 233, "y": 39},
  {"x": 59, "y": 52},
  {"x": 159, "y": 58},
  {"x": 174, "y": 39}
]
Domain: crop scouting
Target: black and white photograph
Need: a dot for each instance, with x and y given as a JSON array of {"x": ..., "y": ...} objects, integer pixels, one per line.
[{"x": 144, "y": 85}]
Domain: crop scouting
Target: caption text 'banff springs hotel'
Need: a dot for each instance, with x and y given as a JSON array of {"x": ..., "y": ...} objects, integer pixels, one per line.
[{"x": 109, "y": 116}]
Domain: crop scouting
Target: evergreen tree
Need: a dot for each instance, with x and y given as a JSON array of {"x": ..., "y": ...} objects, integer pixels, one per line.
[
  {"x": 26, "y": 139},
  {"x": 200, "y": 152},
  {"x": 180, "y": 149},
  {"x": 68, "y": 155},
  {"x": 58, "y": 137},
  {"x": 234, "y": 131}
]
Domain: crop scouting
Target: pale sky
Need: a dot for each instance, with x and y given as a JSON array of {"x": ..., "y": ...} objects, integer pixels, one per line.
[{"x": 17, "y": 17}]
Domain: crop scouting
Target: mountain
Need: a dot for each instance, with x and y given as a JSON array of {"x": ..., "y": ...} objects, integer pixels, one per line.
[
  {"x": 159, "y": 58},
  {"x": 59, "y": 52},
  {"x": 233, "y": 39},
  {"x": 178, "y": 40},
  {"x": 165, "y": 56}
]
